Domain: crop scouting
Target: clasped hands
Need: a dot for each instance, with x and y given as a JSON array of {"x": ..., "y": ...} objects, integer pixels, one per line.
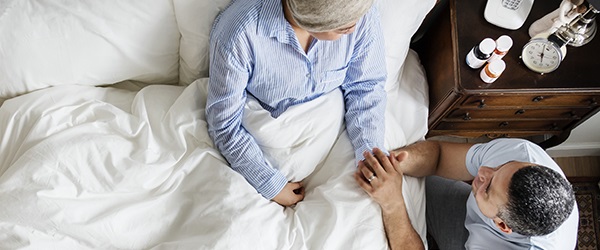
[{"x": 381, "y": 177}]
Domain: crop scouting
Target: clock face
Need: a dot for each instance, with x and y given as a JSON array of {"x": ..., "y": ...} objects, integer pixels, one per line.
[{"x": 541, "y": 55}]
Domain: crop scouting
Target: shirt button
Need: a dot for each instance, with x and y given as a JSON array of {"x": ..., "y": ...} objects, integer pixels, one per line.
[{"x": 307, "y": 75}]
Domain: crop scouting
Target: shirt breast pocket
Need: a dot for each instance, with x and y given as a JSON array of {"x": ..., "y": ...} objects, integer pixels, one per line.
[{"x": 332, "y": 79}]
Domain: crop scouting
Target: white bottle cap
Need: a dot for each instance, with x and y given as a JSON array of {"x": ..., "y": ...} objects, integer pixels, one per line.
[
  {"x": 496, "y": 67},
  {"x": 487, "y": 45},
  {"x": 503, "y": 43}
]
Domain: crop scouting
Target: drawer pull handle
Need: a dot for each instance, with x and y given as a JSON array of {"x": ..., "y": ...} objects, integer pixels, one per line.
[
  {"x": 503, "y": 124},
  {"x": 593, "y": 102},
  {"x": 467, "y": 117},
  {"x": 538, "y": 99},
  {"x": 554, "y": 126},
  {"x": 481, "y": 103},
  {"x": 520, "y": 112}
]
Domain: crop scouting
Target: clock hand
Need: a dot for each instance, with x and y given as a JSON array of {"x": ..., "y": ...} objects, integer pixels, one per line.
[{"x": 542, "y": 54}]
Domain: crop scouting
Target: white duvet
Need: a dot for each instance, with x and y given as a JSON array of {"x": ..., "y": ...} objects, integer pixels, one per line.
[{"x": 102, "y": 168}]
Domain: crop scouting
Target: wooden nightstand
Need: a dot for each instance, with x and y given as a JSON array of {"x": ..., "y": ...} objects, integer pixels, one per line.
[{"x": 520, "y": 103}]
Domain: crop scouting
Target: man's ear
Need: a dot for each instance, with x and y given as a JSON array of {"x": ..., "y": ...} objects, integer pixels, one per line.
[{"x": 502, "y": 226}]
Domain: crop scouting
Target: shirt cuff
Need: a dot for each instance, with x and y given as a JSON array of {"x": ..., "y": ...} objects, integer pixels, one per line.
[{"x": 273, "y": 186}]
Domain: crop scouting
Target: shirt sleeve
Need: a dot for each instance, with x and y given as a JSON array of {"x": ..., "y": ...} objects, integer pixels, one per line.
[
  {"x": 229, "y": 74},
  {"x": 364, "y": 88},
  {"x": 500, "y": 151}
]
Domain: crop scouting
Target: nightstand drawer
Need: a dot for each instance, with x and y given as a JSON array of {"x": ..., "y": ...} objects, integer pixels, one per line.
[
  {"x": 537, "y": 100},
  {"x": 559, "y": 113},
  {"x": 504, "y": 125}
]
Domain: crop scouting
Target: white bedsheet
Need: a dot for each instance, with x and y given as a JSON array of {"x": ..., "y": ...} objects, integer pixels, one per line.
[{"x": 86, "y": 167}]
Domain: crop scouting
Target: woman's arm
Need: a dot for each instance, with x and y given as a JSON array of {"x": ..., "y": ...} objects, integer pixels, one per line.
[
  {"x": 364, "y": 87},
  {"x": 229, "y": 75}
]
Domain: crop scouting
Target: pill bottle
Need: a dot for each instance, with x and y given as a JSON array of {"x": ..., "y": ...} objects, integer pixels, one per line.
[
  {"x": 480, "y": 53},
  {"x": 503, "y": 44},
  {"x": 492, "y": 70}
]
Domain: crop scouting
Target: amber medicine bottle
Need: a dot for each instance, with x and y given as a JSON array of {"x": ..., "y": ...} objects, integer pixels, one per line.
[
  {"x": 503, "y": 44},
  {"x": 492, "y": 70},
  {"x": 480, "y": 53}
]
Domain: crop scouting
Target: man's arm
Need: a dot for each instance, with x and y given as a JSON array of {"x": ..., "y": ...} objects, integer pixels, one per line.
[
  {"x": 386, "y": 190},
  {"x": 420, "y": 159},
  {"x": 443, "y": 159}
]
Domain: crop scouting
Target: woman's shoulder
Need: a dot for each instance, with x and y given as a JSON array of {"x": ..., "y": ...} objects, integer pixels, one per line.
[{"x": 236, "y": 19}]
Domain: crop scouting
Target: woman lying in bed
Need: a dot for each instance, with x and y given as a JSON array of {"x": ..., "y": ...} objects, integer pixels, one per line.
[{"x": 267, "y": 56}]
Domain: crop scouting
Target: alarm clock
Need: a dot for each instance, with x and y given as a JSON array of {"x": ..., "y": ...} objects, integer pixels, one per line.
[{"x": 544, "y": 53}]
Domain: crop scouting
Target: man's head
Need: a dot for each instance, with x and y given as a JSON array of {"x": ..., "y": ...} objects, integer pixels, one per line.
[
  {"x": 328, "y": 19},
  {"x": 522, "y": 197}
]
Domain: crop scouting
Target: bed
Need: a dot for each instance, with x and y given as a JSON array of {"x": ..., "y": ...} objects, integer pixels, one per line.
[{"x": 104, "y": 144}]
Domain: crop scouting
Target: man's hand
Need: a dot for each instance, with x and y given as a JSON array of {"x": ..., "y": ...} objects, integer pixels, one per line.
[
  {"x": 381, "y": 178},
  {"x": 386, "y": 189},
  {"x": 292, "y": 193}
]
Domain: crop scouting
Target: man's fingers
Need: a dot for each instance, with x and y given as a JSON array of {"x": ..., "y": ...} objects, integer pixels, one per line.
[
  {"x": 401, "y": 156},
  {"x": 383, "y": 160},
  {"x": 360, "y": 179},
  {"x": 373, "y": 163},
  {"x": 396, "y": 158},
  {"x": 366, "y": 172}
]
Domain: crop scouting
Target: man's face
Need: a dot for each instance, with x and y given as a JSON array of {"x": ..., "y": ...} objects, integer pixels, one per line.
[
  {"x": 490, "y": 186},
  {"x": 334, "y": 34}
]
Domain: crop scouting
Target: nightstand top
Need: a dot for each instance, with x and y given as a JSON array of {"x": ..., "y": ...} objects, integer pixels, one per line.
[{"x": 579, "y": 71}]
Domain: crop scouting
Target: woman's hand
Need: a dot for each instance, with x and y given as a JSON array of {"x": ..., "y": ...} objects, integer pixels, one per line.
[
  {"x": 292, "y": 193},
  {"x": 380, "y": 176}
]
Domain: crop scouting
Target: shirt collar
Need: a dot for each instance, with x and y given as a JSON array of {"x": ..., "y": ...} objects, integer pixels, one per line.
[{"x": 271, "y": 20}]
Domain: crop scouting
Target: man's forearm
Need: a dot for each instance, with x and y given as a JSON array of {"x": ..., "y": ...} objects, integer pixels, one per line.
[
  {"x": 443, "y": 159},
  {"x": 422, "y": 160},
  {"x": 399, "y": 230}
]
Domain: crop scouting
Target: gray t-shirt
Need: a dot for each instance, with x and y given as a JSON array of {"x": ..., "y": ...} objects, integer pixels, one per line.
[{"x": 483, "y": 233}]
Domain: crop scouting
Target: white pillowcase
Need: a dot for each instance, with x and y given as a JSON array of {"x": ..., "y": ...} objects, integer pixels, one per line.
[
  {"x": 195, "y": 19},
  {"x": 400, "y": 20},
  {"x": 87, "y": 42}
]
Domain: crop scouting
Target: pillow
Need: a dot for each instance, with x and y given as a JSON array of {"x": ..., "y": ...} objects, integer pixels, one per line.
[
  {"x": 400, "y": 20},
  {"x": 407, "y": 105},
  {"x": 195, "y": 19},
  {"x": 87, "y": 42}
]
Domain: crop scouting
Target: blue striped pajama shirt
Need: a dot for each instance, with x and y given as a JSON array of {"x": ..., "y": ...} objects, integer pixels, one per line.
[{"x": 254, "y": 51}]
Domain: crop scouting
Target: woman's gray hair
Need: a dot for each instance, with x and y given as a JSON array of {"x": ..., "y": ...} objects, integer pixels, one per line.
[{"x": 327, "y": 15}]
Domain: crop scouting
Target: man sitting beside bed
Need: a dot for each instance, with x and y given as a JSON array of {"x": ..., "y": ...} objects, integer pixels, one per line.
[{"x": 519, "y": 197}]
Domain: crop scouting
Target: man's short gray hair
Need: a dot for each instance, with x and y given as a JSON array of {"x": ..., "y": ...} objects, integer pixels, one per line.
[
  {"x": 539, "y": 201},
  {"x": 327, "y": 15}
]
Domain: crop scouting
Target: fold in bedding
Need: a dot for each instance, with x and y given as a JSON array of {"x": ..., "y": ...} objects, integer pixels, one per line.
[{"x": 88, "y": 167}]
